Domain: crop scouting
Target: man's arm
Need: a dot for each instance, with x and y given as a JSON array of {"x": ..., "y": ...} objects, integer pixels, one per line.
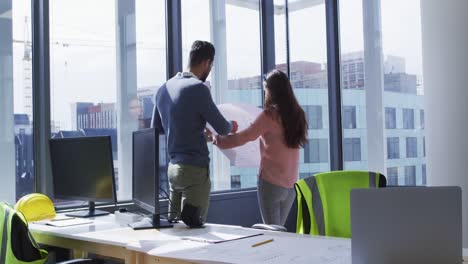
[{"x": 211, "y": 113}]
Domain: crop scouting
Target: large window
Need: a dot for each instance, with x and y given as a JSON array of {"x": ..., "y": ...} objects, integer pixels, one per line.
[
  {"x": 106, "y": 67},
  {"x": 234, "y": 29},
  {"x": 16, "y": 117},
  {"x": 308, "y": 67},
  {"x": 104, "y": 71},
  {"x": 385, "y": 81},
  {"x": 280, "y": 34}
]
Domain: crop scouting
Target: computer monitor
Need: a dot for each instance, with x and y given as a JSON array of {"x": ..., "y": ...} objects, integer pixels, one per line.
[
  {"x": 146, "y": 174},
  {"x": 83, "y": 169}
]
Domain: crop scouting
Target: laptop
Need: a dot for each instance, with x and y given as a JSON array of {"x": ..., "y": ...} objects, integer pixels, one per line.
[{"x": 406, "y": 225}]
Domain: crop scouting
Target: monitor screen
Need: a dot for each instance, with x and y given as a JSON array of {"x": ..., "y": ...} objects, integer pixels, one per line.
[
  {"x": 146, "y": 169},
  {"x": 83, "y": 169}
]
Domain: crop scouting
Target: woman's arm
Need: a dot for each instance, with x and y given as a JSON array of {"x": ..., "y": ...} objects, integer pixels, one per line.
[{"x": 260, "y": 126}]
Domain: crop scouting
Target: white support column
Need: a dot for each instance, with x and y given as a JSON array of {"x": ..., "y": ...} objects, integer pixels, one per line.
[
  {"x": 373, "y": 66},
  {"x": 445, "y": 64},
  {"x": 7, "y": 130},
  {"x": 126, "y": 91},
  {"x": 221, "y": 167}
]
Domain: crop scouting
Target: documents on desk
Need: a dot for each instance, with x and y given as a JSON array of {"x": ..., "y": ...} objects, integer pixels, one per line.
[
  {"x": 281, "y": 250},
  {"x": 200, "y": 236},
  {"x": 217, "y": 237},
  {"x": 62, "y": 222},
  {"x": 167, "y": 243}
]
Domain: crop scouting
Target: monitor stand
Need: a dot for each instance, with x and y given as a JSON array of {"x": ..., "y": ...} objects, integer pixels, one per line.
[
  {"x": 155, "y": 222},
  {"x": 90, "y": 213}
]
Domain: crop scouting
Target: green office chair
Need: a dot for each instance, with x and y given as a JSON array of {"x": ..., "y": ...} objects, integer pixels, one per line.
[
  {"x": 323, "y": 201},
  {"x": 17, "y": 246}
]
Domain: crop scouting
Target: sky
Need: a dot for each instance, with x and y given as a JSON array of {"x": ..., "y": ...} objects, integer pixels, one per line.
[{"x": 83, "y": 36}]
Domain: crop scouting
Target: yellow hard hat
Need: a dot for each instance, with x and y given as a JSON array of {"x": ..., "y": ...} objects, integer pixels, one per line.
[{"x": 35, "y": 207}]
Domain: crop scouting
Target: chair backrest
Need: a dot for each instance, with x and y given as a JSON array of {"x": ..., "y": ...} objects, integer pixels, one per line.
[
  {"x": 323, "y": 201},
  {"x": 17, "y": 246}
]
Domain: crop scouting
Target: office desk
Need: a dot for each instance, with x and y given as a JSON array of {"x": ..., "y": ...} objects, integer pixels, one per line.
[
  {"x": 107, "y": 238},
  {"x": 71, "y": 237}
]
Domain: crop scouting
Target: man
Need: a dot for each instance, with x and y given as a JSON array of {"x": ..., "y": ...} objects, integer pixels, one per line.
[{"x": 183, "y": 106}]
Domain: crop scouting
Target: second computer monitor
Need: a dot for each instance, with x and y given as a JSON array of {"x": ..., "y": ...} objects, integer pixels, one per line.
[
  {"x": 146, "y": 176},
  {"x": 146, "y": 169}
]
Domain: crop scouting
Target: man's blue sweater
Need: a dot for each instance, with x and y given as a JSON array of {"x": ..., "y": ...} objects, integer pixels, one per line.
[{"x": 183, "y": 106}]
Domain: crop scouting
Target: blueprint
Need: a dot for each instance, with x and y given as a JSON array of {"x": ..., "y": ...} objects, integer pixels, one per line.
[{"x": 248, "y": 155}]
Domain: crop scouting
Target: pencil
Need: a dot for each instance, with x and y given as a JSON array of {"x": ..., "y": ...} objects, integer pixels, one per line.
[{"x": 262, "y": 243}]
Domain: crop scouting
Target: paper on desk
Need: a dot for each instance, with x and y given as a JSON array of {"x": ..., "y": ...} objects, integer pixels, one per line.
[
  {"x": 248, "y": 155},
  {"x": 218, "y": 237},
  {"x": 64, "y": 222},
  {"x": 281, "y": 250}
]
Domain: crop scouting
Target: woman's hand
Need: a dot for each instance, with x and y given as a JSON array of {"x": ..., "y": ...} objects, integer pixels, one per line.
[
  {"x": 235, "y": 126},
  {"x": 208, "y": 135}
]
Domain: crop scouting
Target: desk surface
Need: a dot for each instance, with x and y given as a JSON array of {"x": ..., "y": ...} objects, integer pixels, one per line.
[{"x": 167, "y": 243}]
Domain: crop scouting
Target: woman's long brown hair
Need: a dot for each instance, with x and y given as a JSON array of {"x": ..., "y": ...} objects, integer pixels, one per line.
[{"x": 281, "y": 97}]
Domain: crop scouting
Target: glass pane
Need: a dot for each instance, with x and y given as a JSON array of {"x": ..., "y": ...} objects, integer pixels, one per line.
[
  {"x": 104, "y": 71},
  {"x": 233, "y": 27},
  {"x": 16, "y": 135},
  {"x": 386, "y": 90},
  {"x": 151, "y": 71},
  {"x": 280, "y": 35},
  {"x": 308, "y": 57}
]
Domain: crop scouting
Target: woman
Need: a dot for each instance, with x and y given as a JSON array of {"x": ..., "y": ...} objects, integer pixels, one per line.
[{"x": 282, "y": 129}]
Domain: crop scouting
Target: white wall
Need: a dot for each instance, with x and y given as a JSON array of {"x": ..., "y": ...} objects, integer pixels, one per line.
[{"x": 445, "y": 71}]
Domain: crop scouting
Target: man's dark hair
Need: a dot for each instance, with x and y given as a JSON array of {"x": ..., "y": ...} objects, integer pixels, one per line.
[{"x": 201, "y": 51}]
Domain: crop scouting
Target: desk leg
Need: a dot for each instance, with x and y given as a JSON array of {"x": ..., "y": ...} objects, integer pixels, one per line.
[
  {"x": 130, "y": 258},
  {"x": 139, "y": 258},
  {"x": 79, "y": 253}
]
